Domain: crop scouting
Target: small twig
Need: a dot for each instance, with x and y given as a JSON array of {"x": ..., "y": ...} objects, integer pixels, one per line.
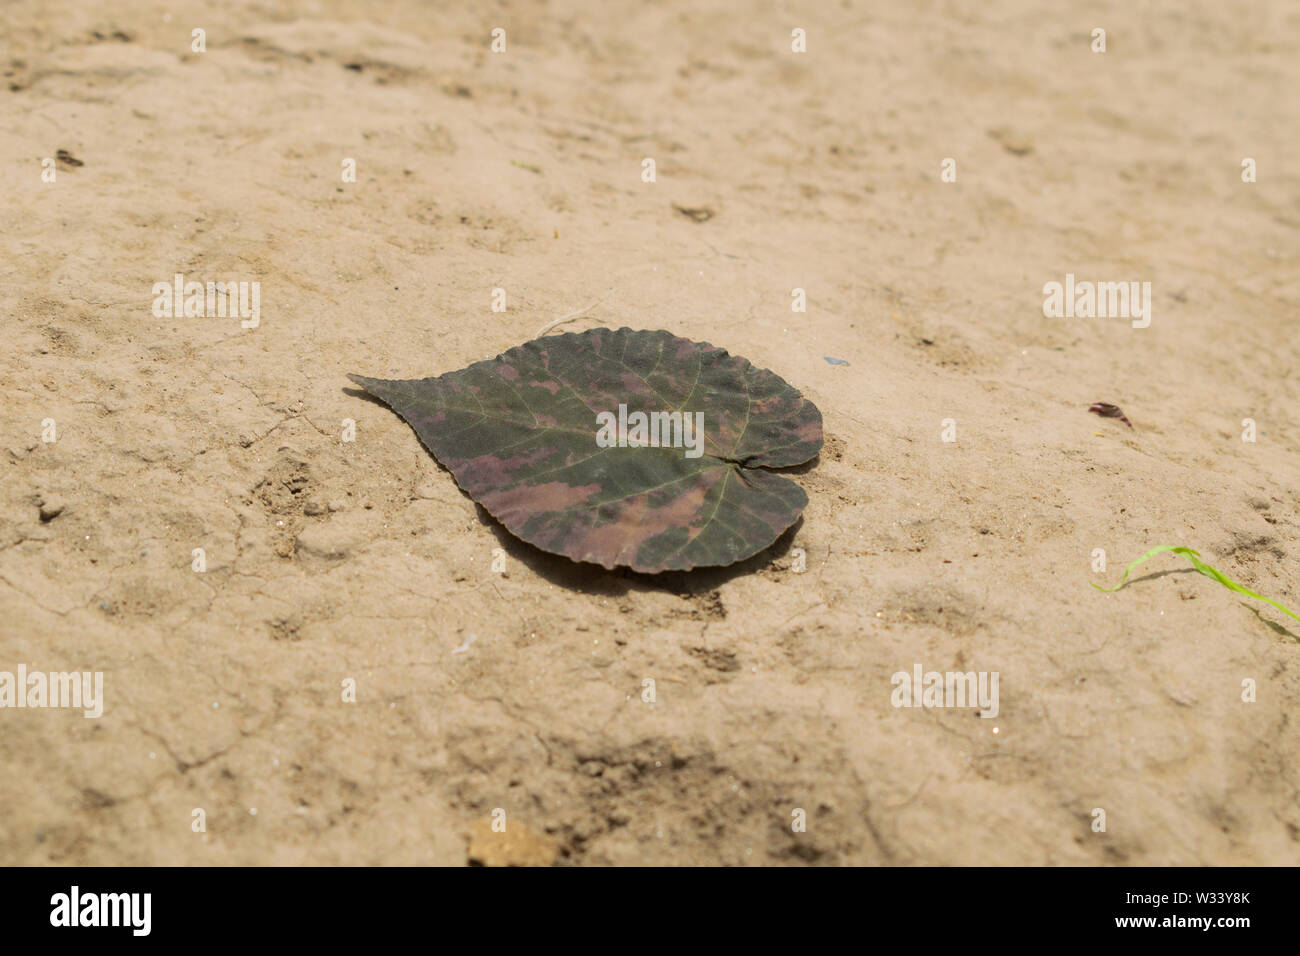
[
  {"x": 251, "y": 139},
  {"x": 797, "y": 613},
  {"x": 572, "y": 315}
]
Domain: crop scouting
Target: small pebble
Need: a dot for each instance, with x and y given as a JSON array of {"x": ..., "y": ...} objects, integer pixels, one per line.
[{"x": 51, "y": 508}]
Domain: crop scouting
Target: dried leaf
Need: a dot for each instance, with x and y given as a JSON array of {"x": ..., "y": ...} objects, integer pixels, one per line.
[
  {"x": 1107, "y": 410},
  {"x": 520, "y": 434}
]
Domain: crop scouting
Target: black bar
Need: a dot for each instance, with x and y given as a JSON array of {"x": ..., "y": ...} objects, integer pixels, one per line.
[{"x": 334, "y": 906}]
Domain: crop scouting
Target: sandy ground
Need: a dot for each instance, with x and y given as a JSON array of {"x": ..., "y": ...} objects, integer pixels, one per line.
[{"x": 331, "y": 561}]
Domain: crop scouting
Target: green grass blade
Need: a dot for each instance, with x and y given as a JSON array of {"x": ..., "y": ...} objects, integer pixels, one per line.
[{"x": 1201, "y": 566}]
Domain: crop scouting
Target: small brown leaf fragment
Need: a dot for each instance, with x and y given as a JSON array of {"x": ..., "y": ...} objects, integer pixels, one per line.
[
  {"x": 1013, "y": 142},
  {"x": 695, "y": 213},
  {"x": 1107, "y": 410}
]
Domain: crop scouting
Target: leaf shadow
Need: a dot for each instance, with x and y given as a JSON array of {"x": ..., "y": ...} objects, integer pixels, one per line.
[
  {"x": 595, "y": 579},
  {"x": 362, "y": 393},
  {"x": 803, "y": 469},
  {"x": 1159, "y": 574},
  {"x": 1279, "y": 629}
]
